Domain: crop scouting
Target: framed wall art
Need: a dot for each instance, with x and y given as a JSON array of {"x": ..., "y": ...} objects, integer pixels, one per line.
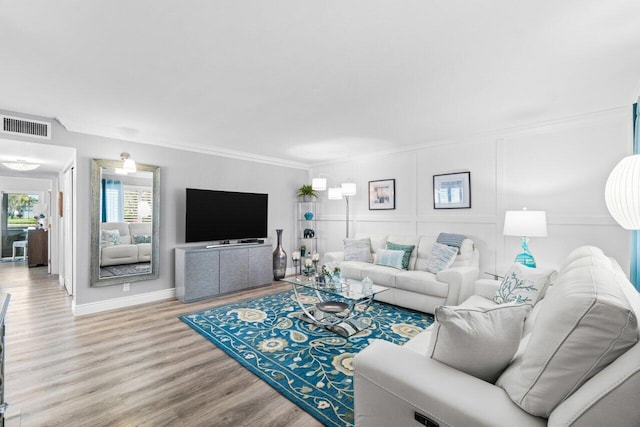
[
  {"x": 452, "y": 191},
  {"x": 382, "y": 194}
]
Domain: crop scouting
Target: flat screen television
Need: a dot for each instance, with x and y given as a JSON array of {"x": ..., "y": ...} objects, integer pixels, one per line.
[{"x": 213, "y": 215}]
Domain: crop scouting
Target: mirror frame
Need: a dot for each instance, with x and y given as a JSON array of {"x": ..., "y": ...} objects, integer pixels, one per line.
[{"x": 96, "y": 175}]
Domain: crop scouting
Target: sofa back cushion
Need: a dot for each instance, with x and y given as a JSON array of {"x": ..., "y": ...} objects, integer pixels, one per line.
[
  {"x": 139, "y": 229},
  {"x": 123, "y": 230},
  {"x": 585, "y": 323},
  {"x": 378, "y": 241}
]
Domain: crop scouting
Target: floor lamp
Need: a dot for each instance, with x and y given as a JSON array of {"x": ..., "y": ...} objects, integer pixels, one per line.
[{"x": 347, "y": 189}]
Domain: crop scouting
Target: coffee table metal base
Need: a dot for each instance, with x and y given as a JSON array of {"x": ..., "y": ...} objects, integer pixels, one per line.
[{"x": 346, "y": 328}]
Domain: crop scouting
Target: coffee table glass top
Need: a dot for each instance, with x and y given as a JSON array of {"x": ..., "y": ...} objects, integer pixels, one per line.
[{"x": 350, "y": 289}]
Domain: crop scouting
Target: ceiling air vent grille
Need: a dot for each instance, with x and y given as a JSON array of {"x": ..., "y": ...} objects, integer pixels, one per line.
[{"x": 33, "y": 128}]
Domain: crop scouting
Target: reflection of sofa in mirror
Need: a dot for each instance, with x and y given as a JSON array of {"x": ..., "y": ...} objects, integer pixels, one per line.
[{"x": 124, "y": 243}]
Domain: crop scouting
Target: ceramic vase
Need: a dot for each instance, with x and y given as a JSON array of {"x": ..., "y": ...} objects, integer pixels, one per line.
[{"x": 279, "y": 259}]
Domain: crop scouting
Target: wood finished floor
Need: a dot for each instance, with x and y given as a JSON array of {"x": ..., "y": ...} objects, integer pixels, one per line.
[{"x": 138, "y": 366}]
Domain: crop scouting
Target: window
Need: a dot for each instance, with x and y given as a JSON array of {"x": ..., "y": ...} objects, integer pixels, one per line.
[{"x": 137, "y": 204}]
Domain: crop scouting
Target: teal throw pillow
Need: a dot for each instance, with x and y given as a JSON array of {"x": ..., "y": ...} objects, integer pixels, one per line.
[
  {"x": 390, "y": 258},
  {"x": 141, "y": 238},
  {"x": 442, "y": 256},
  {"x": 408, "y": 250}
]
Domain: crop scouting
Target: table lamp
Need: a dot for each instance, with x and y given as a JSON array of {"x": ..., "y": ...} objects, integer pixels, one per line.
[{"x": 525, "y": 224}]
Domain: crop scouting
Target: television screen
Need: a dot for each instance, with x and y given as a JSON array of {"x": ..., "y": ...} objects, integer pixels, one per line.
[{"x": 225, "y": 215}]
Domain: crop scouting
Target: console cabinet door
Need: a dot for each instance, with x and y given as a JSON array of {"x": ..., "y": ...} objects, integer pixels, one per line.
[
  {"x": 234, "y": 270},
  {"x": 201, "y": 277},
  {"x": 260, "y": 266}
]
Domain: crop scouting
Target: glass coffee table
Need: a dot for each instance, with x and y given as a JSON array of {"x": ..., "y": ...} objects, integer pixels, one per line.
[{"x": 339, "y": 307}]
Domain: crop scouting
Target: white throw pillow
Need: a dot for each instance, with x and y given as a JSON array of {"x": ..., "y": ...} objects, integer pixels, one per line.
[
  {"x": 390, "y": 258},
  {"x": 110, "y": 238},
  {"x": 358, "y": 250},
  {"x": 522, "y": 285},
  {"x": 442, "y": 256},
  {"x": 478, "y": 341},
  {"x": 584, "y": 324}
]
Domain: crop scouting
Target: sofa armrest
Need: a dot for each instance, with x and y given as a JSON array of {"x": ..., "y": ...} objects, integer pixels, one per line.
[
  {"x": 391, "y": 383},
  {"x": 337, "y": 256},
  {"x": 486, "y": 288},
  {"x": 460, "y": 281}
]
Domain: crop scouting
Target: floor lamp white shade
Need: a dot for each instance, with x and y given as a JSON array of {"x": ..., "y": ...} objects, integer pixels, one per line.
[
  {"x": 349, "y": 188},
  {"x": 622, "y": 192},
  {"x": 319, "y": 184}
]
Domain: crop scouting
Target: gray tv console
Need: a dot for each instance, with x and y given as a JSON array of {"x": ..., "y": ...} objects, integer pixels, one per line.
[{"x": 204, "y": 272}]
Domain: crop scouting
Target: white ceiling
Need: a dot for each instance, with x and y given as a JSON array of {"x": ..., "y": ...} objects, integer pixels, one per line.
[{"x": 308, "y": 81}]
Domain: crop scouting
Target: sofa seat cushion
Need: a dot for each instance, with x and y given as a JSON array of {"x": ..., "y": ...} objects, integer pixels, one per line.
[
  {"x": 585, "y": 323},
  {"x": 353, "y": 269},
  {"x": 381, "y": 275},
  {"x": 421, "y": 282}
]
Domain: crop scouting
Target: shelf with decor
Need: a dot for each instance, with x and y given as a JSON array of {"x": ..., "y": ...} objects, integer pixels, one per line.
[{"x": 307, "y": 237}]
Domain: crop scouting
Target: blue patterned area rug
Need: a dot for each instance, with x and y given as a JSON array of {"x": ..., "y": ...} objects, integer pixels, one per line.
[{"x": 309, "y": 365}]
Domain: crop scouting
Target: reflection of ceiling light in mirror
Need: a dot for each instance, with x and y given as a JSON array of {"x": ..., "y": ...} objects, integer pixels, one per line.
[
  {"x": 21, "y": 165},
  {"x": 128, "y": 165}
]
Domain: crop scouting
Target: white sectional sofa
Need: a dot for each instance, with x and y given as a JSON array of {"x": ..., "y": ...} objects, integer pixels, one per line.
[
  {"x": 577, "y": 361},
  {"x": 127, "y": 252},
  {"x": 415, "y": 288}
]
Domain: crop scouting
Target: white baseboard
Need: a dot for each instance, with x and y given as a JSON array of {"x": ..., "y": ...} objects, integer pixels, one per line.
[{"x": 115, "y": 303}]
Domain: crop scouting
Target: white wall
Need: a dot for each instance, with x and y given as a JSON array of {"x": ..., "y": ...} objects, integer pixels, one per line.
[
  {"x": 179, "y": 170},
  {"x": 558, "y": 167}
]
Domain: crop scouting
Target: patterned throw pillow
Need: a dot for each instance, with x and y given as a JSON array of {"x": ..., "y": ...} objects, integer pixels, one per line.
[
  {"x": 408, "y": 250},
  {"x": 442, "y": 256},
  {"x": 522, "y": 285},
  {"x": 358, "y": 250},
  {"x": 110, "y": 238},
  {"x": 451, "y": 239},
  {"x": 390, "y": 258},
  {"x": 141, "y": 238}
]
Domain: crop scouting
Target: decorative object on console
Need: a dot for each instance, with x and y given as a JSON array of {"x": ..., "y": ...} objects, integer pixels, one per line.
[
  {"x": 382, "y": 194},
  {"x": 307, "y": 193},
  {"x": 525, "y": 224},
  {"x": 279, "y": 258},
  {"x": 452, "y": 191}
]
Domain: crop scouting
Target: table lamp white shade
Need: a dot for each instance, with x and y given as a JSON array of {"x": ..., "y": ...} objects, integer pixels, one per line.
[
  {"x": 349, "y": 188},
  {"x": 319, "y": 184},
  {"x": 525, "y": 223},
  {"x": 622, "y": 192}
]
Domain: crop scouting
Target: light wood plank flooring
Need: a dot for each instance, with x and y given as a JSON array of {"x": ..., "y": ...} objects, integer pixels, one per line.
[{"x": 139, "y": 366}]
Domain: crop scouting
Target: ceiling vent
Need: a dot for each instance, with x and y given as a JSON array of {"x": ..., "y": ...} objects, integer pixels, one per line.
[{"x": 32, "y": 128}]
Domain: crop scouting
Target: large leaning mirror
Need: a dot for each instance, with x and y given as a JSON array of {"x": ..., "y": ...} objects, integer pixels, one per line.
[{"x": 125, "y": 218}]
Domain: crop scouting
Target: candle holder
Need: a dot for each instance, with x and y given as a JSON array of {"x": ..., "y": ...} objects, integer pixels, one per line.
[{"x": 296, "y": 262}]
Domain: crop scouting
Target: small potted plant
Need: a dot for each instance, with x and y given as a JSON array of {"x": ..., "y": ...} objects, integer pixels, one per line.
[{"x": 307, "y": 193}]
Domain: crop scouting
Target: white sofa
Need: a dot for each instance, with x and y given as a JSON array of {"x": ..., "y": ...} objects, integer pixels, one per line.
[
  {"x": 127, "y": 252},
  {"x": 415, "y": 288},
  {"x": 595, "y": 381}
]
